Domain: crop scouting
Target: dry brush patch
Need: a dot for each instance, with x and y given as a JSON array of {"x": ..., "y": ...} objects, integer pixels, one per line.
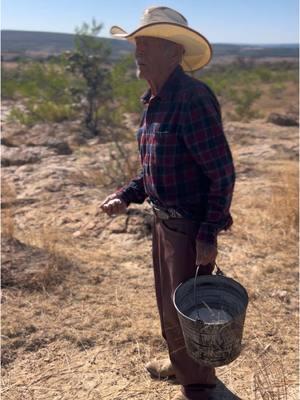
[
  {"x": 263, "y": 255},
  {"x": 91, "y": 334},
  {"x": 30, "y": 260},
  {"x": 8, "y": 197}
]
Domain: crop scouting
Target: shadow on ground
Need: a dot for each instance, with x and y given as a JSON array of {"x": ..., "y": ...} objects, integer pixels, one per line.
[{"x": 222, "y": 392}]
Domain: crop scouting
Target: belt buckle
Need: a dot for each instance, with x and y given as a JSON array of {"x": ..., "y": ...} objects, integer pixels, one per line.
[
  {"x": 160, "y": 213},
  {"x": 175, "y": 214}
]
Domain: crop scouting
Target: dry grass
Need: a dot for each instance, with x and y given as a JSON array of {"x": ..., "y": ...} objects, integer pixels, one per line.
[
  {"x": 122, "y": 166},
  {"x": 270, "y": 214},
  {"x": 89, "y": 335},
  {"x": 8, "y": 196},
  {"x": 31, "y": 260},
  {"x": 270, "y": 381},
  {"x": 270, "y": 102},
  {"x": 284, "y": 202},
  {"x": 89, "y": 178}
]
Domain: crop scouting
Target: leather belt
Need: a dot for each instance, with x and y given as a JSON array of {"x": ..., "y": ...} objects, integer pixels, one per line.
[{"x": 166, "y": 213}]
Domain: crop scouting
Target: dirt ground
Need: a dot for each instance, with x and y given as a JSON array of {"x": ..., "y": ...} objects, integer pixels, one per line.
[{"x": 79, "y": 318}]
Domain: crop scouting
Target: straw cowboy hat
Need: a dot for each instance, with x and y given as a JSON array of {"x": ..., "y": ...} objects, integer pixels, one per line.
[{"x": 166, "y": 23}]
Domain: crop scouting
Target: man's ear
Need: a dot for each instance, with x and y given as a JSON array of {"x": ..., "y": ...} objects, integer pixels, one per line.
[{"x": 178, "y": 52}]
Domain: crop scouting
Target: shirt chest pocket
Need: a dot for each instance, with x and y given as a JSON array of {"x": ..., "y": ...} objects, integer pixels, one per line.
[
  {"x": 165, "y": 138},
  {"x": 162, "y": 134},
  {"x": 161, "y": 145}
]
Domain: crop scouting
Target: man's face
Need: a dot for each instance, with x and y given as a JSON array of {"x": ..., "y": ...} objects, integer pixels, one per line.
[{"x": 152, "y": 57}]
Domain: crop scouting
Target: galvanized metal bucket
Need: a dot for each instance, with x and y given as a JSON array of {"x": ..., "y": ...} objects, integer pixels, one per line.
[{"x": 211, "y": 310}]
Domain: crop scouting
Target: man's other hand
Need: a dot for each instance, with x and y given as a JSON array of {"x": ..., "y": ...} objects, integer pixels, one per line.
[
  {"x": 113, "y": 205},
  {"x": 206, "y": 253}
]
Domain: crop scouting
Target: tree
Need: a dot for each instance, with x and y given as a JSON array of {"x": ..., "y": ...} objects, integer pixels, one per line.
[{"x": 89, "y": 61}]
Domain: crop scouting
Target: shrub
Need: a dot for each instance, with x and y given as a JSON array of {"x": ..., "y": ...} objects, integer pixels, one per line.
[
  {"x": 244, "y": 100},
  {"x": 264, "y": 74},
  {"x": 276, "y": 89},
  {"x": 126, "y": 88},
  {"x": 89, "y": 63},
  {"x": 44, "y": 91},
  {"x": 46, "y": 111}
]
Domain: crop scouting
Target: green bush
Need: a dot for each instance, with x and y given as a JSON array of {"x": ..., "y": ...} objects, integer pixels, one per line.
[
  {"x": 46, "y": 111},
  {"x": 8, "y": 87},
  {"x": 264, "y": 74},
  {"x": 84, "y": 84},
  {"x": 276, "y": 89},
  {"x": 221, "y": 78},
  {"x": 44, "y": 91},
  {"x": 37, "y": 81},
  {"x": 244, "y": 100},
  {"x": 126, "y": 88},
  {"x": 10, "y": 82},
  {"x": 234, "y": 83}
]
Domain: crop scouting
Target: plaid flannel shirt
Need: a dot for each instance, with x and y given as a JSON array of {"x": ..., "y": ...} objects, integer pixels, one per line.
[{"x": 186, "y": 161}]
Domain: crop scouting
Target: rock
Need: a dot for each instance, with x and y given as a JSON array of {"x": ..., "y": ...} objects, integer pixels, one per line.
[
  {"x": 282, "y": 295},
  {"x": 282, "y": 119},
  {"x": 61, "y": 148},
  {"x": 53, "y": 186},
  {"x": 6, "y": 142},
  {"x": 76, "y": 234},
  {"x": 78, "y": 140},
  {"x": 118, "y": 224},
  {"x": 25, "y": 169},
  {"x": 63, "y": 221},
  {"x": 23, "y": 155},
  {"x": 91, "y": 225}
]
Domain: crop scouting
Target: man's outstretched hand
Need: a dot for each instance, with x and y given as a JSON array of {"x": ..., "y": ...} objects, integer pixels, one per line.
[{"x": 113, "y": 205}]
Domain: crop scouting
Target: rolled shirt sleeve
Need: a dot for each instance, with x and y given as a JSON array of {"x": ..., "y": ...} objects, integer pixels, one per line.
[{"x": 204, "y": 137}]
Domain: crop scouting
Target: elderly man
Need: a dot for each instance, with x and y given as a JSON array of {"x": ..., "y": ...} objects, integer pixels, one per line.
[{"x": 187, "y": 175}]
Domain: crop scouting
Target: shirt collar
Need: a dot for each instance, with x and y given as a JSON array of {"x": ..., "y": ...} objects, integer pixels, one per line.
[{"x": 168, "y": 88}]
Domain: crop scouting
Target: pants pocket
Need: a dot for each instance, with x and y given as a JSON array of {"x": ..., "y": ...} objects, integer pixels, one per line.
[{"x": 181, "y": 227}]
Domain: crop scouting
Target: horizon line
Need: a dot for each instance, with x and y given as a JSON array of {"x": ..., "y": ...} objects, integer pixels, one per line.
[{"x": 108, "y": 37}]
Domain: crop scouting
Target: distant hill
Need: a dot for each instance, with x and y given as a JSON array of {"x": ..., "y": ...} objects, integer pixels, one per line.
[
  {"x": 254, "y": 50},
  {"x": 44, "y": 44}
]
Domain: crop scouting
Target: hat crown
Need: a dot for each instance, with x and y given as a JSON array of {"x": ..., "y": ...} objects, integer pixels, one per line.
[
  {"x": 166, "y": 23},
  {"x": 162, "y": 15}
]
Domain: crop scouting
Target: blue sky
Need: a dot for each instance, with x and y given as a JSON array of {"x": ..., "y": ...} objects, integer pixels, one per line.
[{"x": 221, "y": 21}]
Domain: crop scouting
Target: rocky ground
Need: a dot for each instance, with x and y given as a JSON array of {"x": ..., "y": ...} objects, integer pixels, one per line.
[{"x": 79, "y": 317}]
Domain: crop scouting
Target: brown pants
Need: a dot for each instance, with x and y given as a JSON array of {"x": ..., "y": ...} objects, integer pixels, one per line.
[{"x": 174, "y": 261}]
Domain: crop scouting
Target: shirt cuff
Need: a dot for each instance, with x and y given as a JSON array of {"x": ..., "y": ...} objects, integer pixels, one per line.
[
  {"x": 121, "y": 194},
  {"x": 207, "y": 233}
]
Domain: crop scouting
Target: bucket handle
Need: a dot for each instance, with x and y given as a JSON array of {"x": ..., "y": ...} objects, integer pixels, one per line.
[{"x": 219, "y": 272}]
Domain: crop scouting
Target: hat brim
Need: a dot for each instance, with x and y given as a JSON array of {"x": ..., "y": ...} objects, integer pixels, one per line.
[{"x": 198, "y": 51}]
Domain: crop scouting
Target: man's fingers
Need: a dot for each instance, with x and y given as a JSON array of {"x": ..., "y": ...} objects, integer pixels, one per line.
[
  {"x": 205, "y": 260},
  {"x": 206, "y": 253},
  {"x": 103, "y": 203},
  {"x": 113, "y": 206},
  {"x": 121, "y": 207},
  {"x": 109, "y": 207},
  {"x": 107, "y": 199}
]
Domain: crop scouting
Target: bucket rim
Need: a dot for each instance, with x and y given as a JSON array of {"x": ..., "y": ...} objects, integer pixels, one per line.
[{"x": 210, "y": 277}]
